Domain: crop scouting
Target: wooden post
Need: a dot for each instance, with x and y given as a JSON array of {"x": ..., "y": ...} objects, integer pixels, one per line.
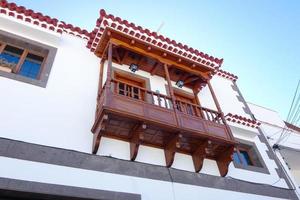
[
  {"x": 171, "y": 93},
  {"x": 109, "y": 76},
  {"x": 100, "y": 83},
  {"x": 219, "y": 109},
  {"x": 109, "y": 67}
]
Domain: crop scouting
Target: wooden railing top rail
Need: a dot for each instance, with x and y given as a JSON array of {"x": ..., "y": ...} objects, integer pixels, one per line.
[{"x": 162, "y": 96}]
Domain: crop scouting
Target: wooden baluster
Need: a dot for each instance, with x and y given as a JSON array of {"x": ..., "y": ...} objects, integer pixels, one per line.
[
  {"x": 132, "y": 92},
  {"x": 118, "y": 87},
  {"x": 158, "y": 98},
  {"x": 152, "y": 97},
  {"x": 166, "y": 105},
  {"x": 207, "y": 115},
  {"x": 192, "y": 109},
  {"x": 197, "y": 111}
]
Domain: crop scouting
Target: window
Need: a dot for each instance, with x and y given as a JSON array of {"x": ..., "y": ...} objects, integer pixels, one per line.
[
  {"x": 246, "y": 155},
  {"x": 185, "y": 102},
  {"x": 25, "y": 60},
  {"x": 20, "y": 61},
  {"x": 130, "y": 86},
  {"x": 242, "y": 157}
]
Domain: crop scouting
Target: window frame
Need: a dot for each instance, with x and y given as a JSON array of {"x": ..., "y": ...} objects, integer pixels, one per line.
[
  {"x": 138, "y": 78},
  {"x": 250, "y": 146},
  {"x": 23, "y": 56},
  {"x": 33, "y": 47}
]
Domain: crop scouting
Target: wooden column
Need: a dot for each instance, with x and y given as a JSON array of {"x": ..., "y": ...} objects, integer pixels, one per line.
[
  {"x": 100, "y": 83},
  {"x": 225, "y": 158},
  {"x": 219, "y": 109},
  {"x": 166, "y": 68},
  {"x": 109, "y": 75},
  {"x": 214, "y": 97},
  {"x": 109, "y": 67}
]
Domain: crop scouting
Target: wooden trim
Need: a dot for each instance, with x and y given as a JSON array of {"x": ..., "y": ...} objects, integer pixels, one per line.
[
  {"x": 2, "y": 47},
  {"x": 21, "y": 61},
  {"x": 42, "y": 67}
]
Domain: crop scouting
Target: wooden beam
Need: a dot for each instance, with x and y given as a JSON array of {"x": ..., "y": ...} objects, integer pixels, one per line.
[
  {"x": 161, "y": 58},
  {"x": 184, "y": 76},
  {"x": 117, "y": 55},
  {"x": 136, "y": 139},
  {"x": 224, "y": 160},
  {"x": 98, "y": 133},
  {"x": 191, "y": 79},
  {"x": 140, "y": 60},
  {"x": 170, "y": 149},
  {"x": 124, "y": 56},
  {"x": 154, "y": 68},
  {"x": 219, "y": 110},
  {"x": 198, "y": 156}
]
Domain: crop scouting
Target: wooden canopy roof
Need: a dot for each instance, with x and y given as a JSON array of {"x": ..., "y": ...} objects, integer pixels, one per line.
[{"x": 167, "y": 45}]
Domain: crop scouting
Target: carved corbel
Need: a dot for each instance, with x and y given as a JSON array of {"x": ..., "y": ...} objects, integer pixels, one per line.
[
  {"x": 98, "y": 133},
  {"x": 198, "y": 156},
  {"x": 170, "y": 148},
  {"x": 136, "y": 139},
  {"x": 224, "y": 160}
]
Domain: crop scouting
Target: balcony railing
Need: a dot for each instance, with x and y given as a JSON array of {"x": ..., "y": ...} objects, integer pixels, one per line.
[
  {"x": 190, "y": 116},
  {"x": 124, "y": 110}
]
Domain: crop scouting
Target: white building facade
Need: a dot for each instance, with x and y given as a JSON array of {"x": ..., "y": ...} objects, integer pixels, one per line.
[{"x": 51, "y": 94}]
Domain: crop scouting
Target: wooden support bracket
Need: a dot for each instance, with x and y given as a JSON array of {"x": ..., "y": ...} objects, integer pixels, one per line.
[
  {"x": 171, "y": 148},
  {"x": 224, "y": 160},
  {"x": 198, "y": 156},
  {"x": 98, "y": 133},
  {"x": 136, "y": 139},
  {"x": 154, "y": 68}
]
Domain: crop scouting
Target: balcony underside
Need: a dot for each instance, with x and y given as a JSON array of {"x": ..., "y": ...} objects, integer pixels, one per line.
[{"x": 142, "y": 123}]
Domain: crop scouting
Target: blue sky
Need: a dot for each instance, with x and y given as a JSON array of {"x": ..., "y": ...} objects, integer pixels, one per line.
[{"x": 258, "y": 39}]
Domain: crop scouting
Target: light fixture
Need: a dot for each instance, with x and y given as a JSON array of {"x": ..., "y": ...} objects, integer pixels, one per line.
[
  {"x": 133, "y": 67},
  {"x": 180, "y": 83}
]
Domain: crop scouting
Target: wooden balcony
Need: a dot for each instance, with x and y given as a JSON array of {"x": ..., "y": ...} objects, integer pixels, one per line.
[{"x": 149, "y": 118}]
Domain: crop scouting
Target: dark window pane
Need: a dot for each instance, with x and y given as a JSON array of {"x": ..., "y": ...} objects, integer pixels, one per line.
[
  {"x": 236, "y": 158},
  {"x": 31, "y": 66},
  {"x": 11, "y": 54},
  {"x": 245, "y": 158}
]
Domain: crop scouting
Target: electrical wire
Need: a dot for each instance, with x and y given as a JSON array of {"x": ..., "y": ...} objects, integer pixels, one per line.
[{"x": 292, "y": 113}]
